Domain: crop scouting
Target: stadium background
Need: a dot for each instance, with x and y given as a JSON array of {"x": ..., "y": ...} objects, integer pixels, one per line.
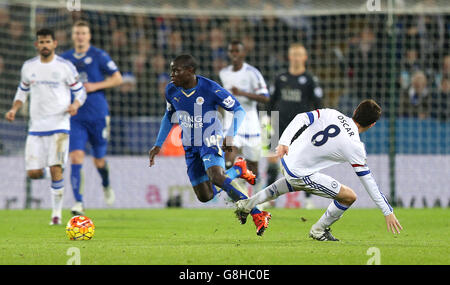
[{"x": 355, "y": 50}]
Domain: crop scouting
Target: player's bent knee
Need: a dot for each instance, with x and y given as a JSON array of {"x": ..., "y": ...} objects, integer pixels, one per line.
[
  {"x": 77, "y": 157},
  {"x": 217, "y": 178},
  {"x": 346, "y": 196},
  {"x": 205, "y": 197}
]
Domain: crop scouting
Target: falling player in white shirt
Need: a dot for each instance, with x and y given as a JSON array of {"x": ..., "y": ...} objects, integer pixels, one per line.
[
  {"x": 246, "y": 82},
  {"x": 48, "y": 80},
  {"x": 326, "y": 137}
]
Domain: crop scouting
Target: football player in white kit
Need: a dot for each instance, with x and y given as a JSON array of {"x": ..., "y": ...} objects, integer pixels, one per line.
[
  {"x": 48, "y": 80},
  {"x": 246, "y": 82},
  {"x": 327, "y": 137}
]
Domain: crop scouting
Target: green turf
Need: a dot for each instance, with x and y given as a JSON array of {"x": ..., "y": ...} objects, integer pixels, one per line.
[{"x": 213, "y": 236}]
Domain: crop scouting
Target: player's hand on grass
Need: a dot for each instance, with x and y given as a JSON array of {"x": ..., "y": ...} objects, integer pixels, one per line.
[
  {"x": 227, "y": 144},
  {"x": 282, "y": 150},
  {"x": 10, "y": 115},
  {"x": 393, "y": 225},
  {"x": 152, "y": 153}
]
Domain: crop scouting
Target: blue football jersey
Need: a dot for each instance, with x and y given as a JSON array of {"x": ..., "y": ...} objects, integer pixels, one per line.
[
  {"x": 92, "y": 66},
  {"x": 196, "y": 111}
]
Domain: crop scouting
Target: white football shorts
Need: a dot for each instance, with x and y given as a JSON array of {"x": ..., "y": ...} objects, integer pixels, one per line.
[
  {"x": 317, "y": 184},
  {"x": 43, "y": 151}
]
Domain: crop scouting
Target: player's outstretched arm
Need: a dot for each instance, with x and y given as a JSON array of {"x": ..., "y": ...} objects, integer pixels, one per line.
[
  {"x": 393, "y": 225},
  {"x": 164, "y": 130},
  {"x": 152, "y": 153},
  {"x": 11, "y": 114}
]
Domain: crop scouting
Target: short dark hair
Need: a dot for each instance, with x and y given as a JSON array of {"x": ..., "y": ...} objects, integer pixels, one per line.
[
  {"x": 186, "y": 60},
  {"x": 367, "y": 113},
  {"x": 45, "y": 32},
  {"x": 236, "y": 42}
]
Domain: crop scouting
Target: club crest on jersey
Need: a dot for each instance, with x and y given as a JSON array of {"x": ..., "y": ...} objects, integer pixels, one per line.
[
  {"x": 302, "y": 80},
  {"x": 200, "y": 100},
  {"x": 88, "y": 60}
]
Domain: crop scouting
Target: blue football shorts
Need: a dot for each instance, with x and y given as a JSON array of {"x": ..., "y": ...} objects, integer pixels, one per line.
[
  {"x": 95, "y": 132},
  {"x": 199, "y": 159}
]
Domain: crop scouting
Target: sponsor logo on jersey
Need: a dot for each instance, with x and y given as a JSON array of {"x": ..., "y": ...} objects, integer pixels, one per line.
[
  {"x": 111, "y": 65},
  {"x": 187, "y": 121},
  {"x": 228, "y": 102}
]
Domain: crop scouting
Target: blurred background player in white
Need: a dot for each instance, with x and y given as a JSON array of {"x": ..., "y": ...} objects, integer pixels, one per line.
[
  {"x": 247, "y": 83},
  {"x": 326, "y": 137},
  {"x": 48, "y": 80},
  {"x": 97, "y": 72},
  {"x": 295, "y": 91}
]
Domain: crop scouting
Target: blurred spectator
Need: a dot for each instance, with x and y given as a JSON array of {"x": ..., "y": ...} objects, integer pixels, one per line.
[
  {"x": 415, "y": 101},
  {"x": 301, "y": 24},
  {"x": 365, "y": 66},
  {"x": 236, "y": 27},
  {"x": 274, "y": 36},
  {"x": 161, "y": 75},
  {"x": 409, "y": 65},
  {"x": 217, "y": 51},
  {"x": 164, "y": 24},
  {"x": 120, "y": 48},
  {"x": 140, "y": 56},
  {"x": 432, "y": 33},
  {"x": 444, "y": 71},
  {"x": 4, "y": 20},
  {"x": 174, "y": 44},
  {"x": 64, "y": 43},
  {"x": 440, "y": 102}
]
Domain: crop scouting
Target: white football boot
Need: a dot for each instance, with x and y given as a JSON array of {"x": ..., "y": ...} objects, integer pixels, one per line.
[{"x": 109, "y": 195}]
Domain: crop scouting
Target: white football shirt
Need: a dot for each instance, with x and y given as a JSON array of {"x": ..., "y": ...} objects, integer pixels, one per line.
[
  {"x": 328, "y": 138},
  {"x": 247, "y": 79},
  {"x": 49, "y": 87}
]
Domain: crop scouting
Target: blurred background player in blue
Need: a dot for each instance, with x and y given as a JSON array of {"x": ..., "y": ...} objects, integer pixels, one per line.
[{"x": 97, "y": 72}]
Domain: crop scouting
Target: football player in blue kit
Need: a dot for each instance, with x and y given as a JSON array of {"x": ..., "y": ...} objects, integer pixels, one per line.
[
  {"x": 91, "y": 124},
  {"x": 192, "y": 102}
]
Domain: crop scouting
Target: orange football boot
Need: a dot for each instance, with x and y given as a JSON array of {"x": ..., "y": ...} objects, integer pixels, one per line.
[
  {"x": 246, "y": 174},
  {"x": 261, "y": 221}
]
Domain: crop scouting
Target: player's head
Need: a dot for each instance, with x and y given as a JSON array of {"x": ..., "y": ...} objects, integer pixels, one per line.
[
  {"x": 297, "y": 55},
  {"x": 45, "y": 42},
  {"x": 367, "y": 113},
  {"x": 81, "y": 34},
  {"x": 182, "y": 69},
  {"x": 236, "y": 52}
]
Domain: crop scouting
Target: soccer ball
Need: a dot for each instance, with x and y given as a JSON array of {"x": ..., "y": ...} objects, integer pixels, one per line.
[{"x": 80, "y": 228}]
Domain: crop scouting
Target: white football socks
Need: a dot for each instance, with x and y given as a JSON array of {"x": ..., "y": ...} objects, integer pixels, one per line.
[
  {"x": 333, "y": 213},
  {"x": 57, "y": 201},
  {"x": 269, "y": 193}
]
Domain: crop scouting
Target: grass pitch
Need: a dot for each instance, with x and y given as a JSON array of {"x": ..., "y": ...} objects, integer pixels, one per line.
[{"x": 214, "y": 237}]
